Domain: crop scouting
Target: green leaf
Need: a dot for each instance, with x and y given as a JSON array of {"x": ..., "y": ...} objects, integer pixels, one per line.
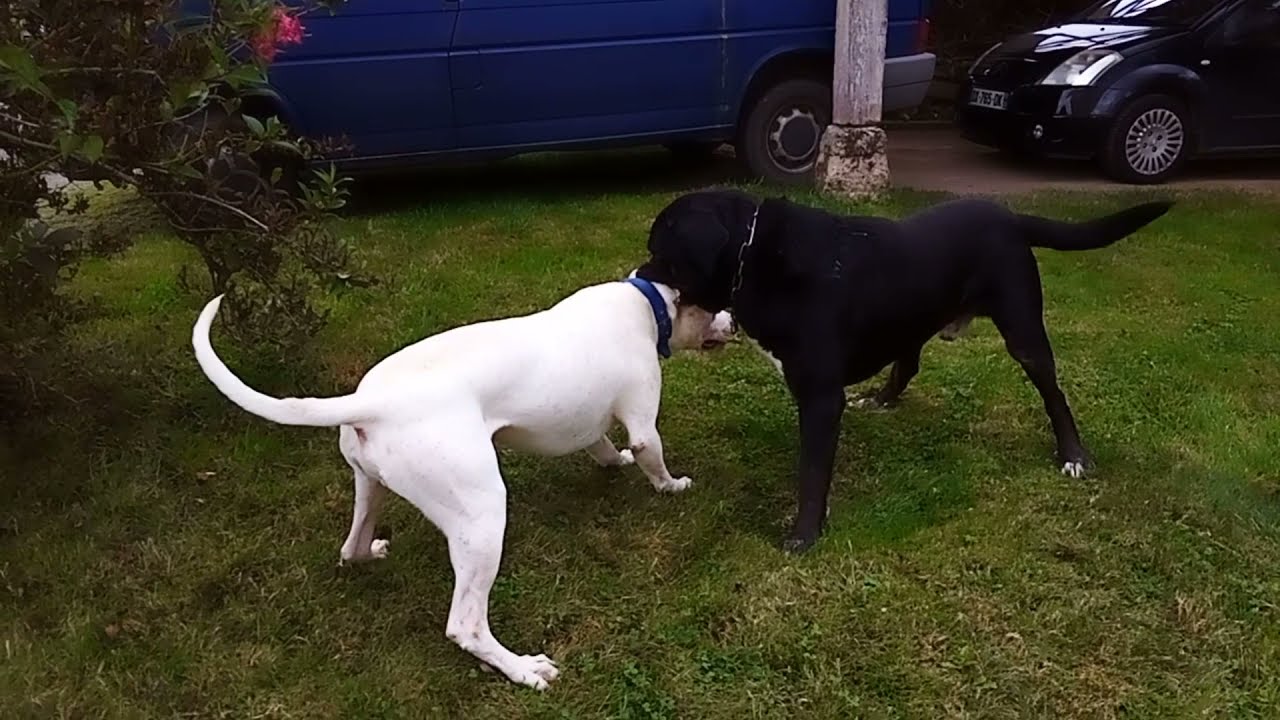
[
  {"x": 22, "y": 69},
  {"x": 186, "y": 171},
  {"x": 18, "y": 60},
  {"x": 255, "y": 125},
  {"x": 92, "y": 148},
  {"x": 219, "y": 59},
  {"x": 244, "y": 75},
  {"x": 68, "y": 143},
  {"x": 285, "y": 146},
  {"x": 69, "y": 111},
  {"x": 182, "y": 92}
]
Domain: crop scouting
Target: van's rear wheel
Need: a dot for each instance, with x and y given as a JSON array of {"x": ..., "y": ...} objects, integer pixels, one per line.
[
  {"x": 270, "y": 169},
  {"x": 779, "y": 139}
]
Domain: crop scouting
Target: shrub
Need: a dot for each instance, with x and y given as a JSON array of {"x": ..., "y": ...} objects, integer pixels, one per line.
[{"x": 146, "y": 96}]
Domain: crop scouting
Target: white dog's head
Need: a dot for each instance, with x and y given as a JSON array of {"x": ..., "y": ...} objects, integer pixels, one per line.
[{"x": 694, "y": 328}]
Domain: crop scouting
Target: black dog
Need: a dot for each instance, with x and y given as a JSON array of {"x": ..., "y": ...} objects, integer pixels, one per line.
[{"x": 835, "y": 299}]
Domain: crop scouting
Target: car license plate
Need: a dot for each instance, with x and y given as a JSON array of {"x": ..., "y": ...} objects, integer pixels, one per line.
[{"x": 993, "y": 99}]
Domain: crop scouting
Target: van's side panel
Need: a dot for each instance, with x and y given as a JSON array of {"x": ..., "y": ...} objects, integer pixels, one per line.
[
  {"x": 376, "y": 72},
  {"x": 557, "y": 71},
  {"x": 425, "y": 77},
  {"x": 761, "y": 32}
]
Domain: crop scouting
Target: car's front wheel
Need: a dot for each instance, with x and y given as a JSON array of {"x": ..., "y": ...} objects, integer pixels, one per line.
[
  {"x": 1149, "y": 141},
  {"x": 780, "y": 136}
]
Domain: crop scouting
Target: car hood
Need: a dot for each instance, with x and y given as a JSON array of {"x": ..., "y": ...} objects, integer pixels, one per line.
[{"x": 1055, "y": 44}]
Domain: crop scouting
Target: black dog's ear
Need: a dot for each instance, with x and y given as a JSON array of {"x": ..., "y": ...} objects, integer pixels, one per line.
[{"x": 704, "y": 238}]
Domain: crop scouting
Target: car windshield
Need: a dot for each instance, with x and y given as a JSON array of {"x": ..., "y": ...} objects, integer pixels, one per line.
[{"x": 1149, "y": 12}]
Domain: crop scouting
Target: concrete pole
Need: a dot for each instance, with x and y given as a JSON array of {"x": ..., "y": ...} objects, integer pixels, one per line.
[{"x": 852, "y": 159}]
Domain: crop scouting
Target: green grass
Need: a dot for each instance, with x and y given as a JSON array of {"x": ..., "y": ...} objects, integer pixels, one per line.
[{"x": 163, "y": 553}]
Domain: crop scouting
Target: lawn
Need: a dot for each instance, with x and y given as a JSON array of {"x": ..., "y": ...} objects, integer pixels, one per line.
[{"x": 164, "y": 554}]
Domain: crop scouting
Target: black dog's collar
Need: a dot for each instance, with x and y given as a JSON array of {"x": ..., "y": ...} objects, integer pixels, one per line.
[
  {"x": 742, "y": 255},
  {"x": 660, "y": 314}
]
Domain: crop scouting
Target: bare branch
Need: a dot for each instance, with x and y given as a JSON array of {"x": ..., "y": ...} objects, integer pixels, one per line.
[
  {"x": 215, "y": 201},
  {"x": 18, "y": 120},
  {"x": 105, "y": 71},
  {"x": 24, "y": 142}
]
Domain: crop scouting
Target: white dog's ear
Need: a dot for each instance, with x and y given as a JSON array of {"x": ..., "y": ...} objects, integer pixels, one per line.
[{"x": 633, "y": 273}]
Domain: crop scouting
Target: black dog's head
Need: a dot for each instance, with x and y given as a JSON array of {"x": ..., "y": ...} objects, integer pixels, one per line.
[{"x": 694, "y": 242}]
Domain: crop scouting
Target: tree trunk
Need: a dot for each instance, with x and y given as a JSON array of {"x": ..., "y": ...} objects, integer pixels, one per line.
[{"x": 852, "y": 159}]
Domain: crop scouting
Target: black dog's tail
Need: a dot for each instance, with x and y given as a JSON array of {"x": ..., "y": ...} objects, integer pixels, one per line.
[{"x": 1091, "y": 234}]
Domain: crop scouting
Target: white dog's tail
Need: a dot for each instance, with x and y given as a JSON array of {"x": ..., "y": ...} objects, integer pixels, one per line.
[{"x": 316, "y": 412}]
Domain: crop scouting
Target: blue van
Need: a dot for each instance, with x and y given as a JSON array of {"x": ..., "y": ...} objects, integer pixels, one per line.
[{"x": 427, "y": 81}]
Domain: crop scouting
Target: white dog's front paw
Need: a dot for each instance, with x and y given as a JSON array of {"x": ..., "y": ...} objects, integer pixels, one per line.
[
  {"x": 535, "y": 671},
  {"x": 675, "y": 485},
  {"x": 1073, "y": 469},
  {"x": 626, "y": 457},
  {"x": 350, "y": 555}
]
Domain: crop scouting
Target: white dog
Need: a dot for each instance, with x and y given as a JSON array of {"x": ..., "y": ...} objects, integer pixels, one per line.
[{"x": 425, "y": 420}]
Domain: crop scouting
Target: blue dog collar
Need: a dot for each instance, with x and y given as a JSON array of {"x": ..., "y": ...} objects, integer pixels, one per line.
[{"x": 659, "y": 305}]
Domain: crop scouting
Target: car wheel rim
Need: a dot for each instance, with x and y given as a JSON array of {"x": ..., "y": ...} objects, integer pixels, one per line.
[
  {"x": 1154, "y": 141},
  {"x": 793, "y": 139}
]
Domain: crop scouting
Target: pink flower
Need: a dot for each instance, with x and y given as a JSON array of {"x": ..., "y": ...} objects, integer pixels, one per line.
[
  {"x": 288, "y": 28},
  {"x": 264, "y": 47},
  {"x": 283, "y": 29}
]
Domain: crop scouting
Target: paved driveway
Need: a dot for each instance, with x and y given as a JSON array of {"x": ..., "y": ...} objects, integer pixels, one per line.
[{"x": 939, "y": 159}]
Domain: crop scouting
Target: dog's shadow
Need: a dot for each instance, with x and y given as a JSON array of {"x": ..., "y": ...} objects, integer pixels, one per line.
[
  {"x": 898, "y": 470},
  {"x": 548, "y": 177},
  {"x": 571, "y": 491}
]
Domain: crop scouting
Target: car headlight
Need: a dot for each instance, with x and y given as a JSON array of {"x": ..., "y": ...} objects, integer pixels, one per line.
[
  {"x": 1083, "y": 68},
  {"x": 982, "y": 57}
]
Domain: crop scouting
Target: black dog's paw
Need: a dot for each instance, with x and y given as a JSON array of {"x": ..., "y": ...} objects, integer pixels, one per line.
[
  {"x": 1074, "y": 468},
  {"x": 1074, "y": 464},
  {"x": 870, "y": 401},
  {"x": 796, "y": 546},
  {"x": 799, "y": 541}
]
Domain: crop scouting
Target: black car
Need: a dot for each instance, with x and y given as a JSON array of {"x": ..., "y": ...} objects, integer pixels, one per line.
[{"x": 1140, "y": 85}]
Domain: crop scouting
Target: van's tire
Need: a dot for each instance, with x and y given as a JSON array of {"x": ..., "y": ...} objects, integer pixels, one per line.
[
  {"x": 281, "y": 170},
  {"x": 1149, "y": 141},
  {"x": 779, "y": 138},
  {"x": 269, "y": 169}
]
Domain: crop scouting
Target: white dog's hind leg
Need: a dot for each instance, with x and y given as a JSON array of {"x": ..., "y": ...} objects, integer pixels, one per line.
[
  {"x": 476, "y": 553},
  {"x": 606, "y": 455},
  {"x": 475, "y": 549},
  {"x": 360, "y": 544},
  {"x": 460, "y": 490}
]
